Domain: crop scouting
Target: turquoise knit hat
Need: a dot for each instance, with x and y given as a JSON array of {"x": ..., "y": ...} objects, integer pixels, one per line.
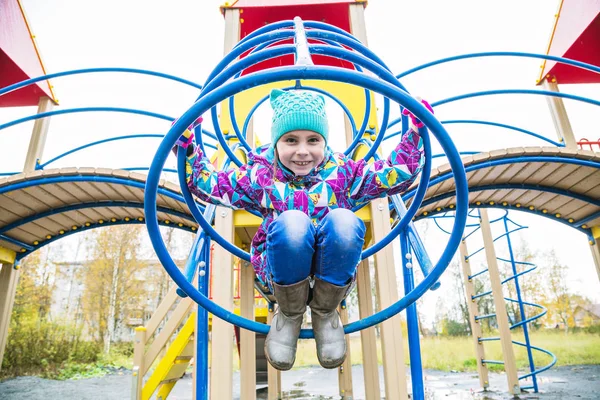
[{"x": 294, "y": 110}]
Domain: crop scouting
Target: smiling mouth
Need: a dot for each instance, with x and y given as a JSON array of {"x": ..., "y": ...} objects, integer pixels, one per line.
[{"x": 301, "y": 163}]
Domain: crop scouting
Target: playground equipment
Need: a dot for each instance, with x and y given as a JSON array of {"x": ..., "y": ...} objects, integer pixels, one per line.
[
  {"x": 518, "y": 319},
  {"x": 46, "y": 204}
]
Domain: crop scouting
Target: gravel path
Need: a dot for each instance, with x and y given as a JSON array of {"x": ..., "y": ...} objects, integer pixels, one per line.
[{"x": 575, "y": 382}]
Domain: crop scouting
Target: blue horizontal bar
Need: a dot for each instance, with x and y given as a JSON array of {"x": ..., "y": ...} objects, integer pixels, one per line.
[
  {"x": 475, "y": 297},
  {"x": 480, "y": 317},
  {"x": 506, "y": 126},
  {"x": 84, "y": 109},
  {"x": 492, "y": 362},
  {"x": 16, "y": 242},
  {"x": 516, "y": 91},
  {"x": 95, "y": 70},
  {"x": 483, "y": 271},
  {"x": 561, "y": 60}
]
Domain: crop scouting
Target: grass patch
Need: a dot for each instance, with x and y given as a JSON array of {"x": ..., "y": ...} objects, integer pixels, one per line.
[{"x": 458, "y": 353}]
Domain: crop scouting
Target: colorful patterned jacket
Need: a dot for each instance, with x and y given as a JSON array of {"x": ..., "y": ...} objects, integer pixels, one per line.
[{"x": 337, "y": 182}]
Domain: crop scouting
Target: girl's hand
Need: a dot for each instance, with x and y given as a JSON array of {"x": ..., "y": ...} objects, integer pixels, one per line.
[
  {"x": 187, "y": 138},
  {"x": 417, "y": 122}
]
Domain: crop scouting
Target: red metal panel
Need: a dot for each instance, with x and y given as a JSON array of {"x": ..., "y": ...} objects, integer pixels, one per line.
[
  {"x": 275, "y": 3},
  {"x": 576, "y": 36},
  {"x": 19, "y": 59},
  {"x": 258, "y": 14}
]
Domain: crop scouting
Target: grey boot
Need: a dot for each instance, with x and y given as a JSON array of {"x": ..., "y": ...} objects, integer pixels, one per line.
[
  {"x": 326, "y": 322},
  {"x": 280, "y": 345}
]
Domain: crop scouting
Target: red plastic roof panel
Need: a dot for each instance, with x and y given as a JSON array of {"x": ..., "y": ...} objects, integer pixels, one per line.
[
  {"x": 19, "y": 58},
  {"x": 576, "y": 36},
  {"x": 255, "y": 14}
]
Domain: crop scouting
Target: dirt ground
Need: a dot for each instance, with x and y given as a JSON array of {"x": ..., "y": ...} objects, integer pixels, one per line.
[{"x": 575, "y": 382}]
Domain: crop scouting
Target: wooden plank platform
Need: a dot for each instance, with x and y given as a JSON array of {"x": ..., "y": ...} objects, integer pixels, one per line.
[
  {"x": 28, "y": 214},
  {"x": 550, "y": 187},
  {"x": 529, "y": 184}
]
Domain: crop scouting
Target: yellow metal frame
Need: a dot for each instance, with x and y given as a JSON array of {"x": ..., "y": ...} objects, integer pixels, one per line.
[
  {"x": 170, "y": 360},
  {"x": 7, "y": 256},
  {"x": 543, "y": 66},
  {"x": 37, "y": 51}
]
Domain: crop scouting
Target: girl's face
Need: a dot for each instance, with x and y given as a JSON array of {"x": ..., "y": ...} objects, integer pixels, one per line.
[{"x": 301, "y": 151}]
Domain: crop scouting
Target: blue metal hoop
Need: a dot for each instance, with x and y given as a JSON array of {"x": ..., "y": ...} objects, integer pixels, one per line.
[{"x": 386, "y": 89}]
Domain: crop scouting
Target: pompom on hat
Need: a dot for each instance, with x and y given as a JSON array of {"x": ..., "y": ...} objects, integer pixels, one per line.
[{"x": 293, "y": 110}]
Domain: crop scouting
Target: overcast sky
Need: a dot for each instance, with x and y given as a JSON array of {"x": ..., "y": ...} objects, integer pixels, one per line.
[{"x": 185, "y": 38}]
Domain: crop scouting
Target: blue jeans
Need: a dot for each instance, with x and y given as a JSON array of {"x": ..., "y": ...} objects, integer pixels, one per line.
[{"x": 331, "y": 250}]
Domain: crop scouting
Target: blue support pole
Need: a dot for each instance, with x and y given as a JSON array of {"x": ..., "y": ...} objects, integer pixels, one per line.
[
  {"x": 414, "y": 343},
  {"x": 201, "y": 362},
  {"x": 521, "y": 308}
]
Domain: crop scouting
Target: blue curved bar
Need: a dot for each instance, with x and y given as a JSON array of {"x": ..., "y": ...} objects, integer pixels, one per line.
[
  {"x": 94, "y": 226},
  {"x": 174, "y": 171},
  {"x": 267, "y": 53},
  {"x": 306, "y": 72},
  {"x": 561, "y": 60},
  {"x": 112, "y": 139},
  {"x": 514, "y": 128},
  {"x": 516, "y": 91},
  {"x": 509, "y": 160},
  {"x": 31, "y": 81},
  {"x": 574, "y": 225},
  {"x": 255, "y": 107},
  {"x": 539, "y": 188},
  {"x": 84, "y": 109},
  {"x": 78, "y": 178},
  {"x": 462, "y": 153},
  {"x": 82, "y": 206}
]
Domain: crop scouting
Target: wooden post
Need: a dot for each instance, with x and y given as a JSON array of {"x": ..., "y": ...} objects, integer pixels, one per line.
[
  {"x": 221, "y": 370},
  {"x": 560, "y": 117},
  {"x": 345, "y": 370},
  {"x": 394, "y": 369},
  {"x": 273, "y": 375},
  {"x": 510, "y": 364},
  {"x": 38, "y": 136},
  {"x": 393, "y": 361},
  {"x": 9, "y": 278},
  {"x": 138, "y": 359},
  {"x": 247, "y": 338},
  {"x": 367, "y": 336},
  {"x": 595, "y": 248},
  {"x": 482, "y": 369}
]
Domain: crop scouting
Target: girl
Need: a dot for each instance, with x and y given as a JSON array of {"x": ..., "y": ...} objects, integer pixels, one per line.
[{"x": 309, "y": 244}]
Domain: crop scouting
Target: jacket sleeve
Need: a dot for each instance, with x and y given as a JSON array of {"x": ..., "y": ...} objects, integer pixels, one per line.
[
  {"x": 230, "y": 188},
  {"x": 387, "y": 177}
]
